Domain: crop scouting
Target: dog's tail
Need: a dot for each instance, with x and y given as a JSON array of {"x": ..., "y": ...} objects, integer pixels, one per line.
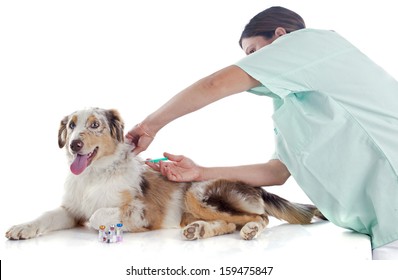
[{"x": 294, "y": 213}]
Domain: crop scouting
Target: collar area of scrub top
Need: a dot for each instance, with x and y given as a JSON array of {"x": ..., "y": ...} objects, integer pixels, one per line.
[{"x": 336, "y": 120}]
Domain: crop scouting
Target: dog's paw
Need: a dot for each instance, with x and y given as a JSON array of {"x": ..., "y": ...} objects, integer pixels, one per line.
[
  {"x": 194, "y": 230},
  {"x": 250, "y": 231},
  {"x": 106, "y": 217},
  {"x": 23, "y": 231}
]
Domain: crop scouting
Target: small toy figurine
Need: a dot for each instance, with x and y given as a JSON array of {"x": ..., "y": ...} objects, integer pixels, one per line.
[
  {"x": 113, "y": 235},
  {"x": 102, "y": 234},
  {"x": 119, "y": 232}
]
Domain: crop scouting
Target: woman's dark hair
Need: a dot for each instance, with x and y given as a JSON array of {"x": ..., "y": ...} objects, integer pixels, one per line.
[{"x": 266, "y": 22}]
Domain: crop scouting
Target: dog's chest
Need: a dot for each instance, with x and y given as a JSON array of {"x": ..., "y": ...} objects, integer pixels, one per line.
[{"x": 84, "y": 196}]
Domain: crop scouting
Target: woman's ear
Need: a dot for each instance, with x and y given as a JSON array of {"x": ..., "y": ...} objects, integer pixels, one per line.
[{"x": 280, "y": 31}]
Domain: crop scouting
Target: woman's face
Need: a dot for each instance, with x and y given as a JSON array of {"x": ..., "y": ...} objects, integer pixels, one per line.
[{"x": 252, "y": 44}]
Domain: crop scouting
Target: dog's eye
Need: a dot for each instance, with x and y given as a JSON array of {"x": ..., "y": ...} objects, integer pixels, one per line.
[
  {"x": 95, "y": 125},
  {"x": 72, "y": 125}
]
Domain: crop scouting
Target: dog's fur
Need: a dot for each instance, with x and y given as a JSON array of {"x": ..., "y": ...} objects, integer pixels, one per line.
[{"x": 109, "y": 185}]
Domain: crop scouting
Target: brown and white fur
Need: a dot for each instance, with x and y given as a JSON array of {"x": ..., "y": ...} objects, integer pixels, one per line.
[{"x": 109, "y": 185}]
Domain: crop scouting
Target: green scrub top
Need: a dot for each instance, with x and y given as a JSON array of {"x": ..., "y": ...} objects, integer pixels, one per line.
[{"x": 336, "y": 126}]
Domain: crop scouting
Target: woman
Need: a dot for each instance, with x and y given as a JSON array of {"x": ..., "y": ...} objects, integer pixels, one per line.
[{"x": 335, "y": 120}]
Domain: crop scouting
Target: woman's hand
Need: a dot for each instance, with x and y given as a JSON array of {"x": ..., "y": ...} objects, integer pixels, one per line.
[
  {"x": 140, "y": 137},
  {"x": 178, "y": 168}
]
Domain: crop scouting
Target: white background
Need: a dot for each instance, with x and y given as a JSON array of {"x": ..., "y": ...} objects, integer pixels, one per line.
[{"x": 60, "y": 56}]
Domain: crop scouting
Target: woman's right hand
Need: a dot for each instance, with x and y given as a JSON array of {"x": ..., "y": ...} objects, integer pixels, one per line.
[
  {"x": 140, "y": 138},
  {"x": 178, "y": 168}
]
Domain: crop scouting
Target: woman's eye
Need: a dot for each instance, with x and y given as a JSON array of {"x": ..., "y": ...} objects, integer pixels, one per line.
[
  {"x": 250, "y": 51},
  {"x": 72, "y": 125},
  {"x": 95, "y": 125}
]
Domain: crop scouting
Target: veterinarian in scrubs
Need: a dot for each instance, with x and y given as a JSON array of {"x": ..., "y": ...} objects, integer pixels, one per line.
[{"x": 336, "y": 123}]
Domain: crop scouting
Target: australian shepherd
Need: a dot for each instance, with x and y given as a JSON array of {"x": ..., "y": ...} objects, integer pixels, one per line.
[{"x": 108, "y": 185}]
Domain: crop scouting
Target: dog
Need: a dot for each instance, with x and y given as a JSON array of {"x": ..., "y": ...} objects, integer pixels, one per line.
[{"x": 108, "y": 184}]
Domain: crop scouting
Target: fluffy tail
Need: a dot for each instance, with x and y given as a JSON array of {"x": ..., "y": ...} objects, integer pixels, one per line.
[{"x": 294, "y": 213}]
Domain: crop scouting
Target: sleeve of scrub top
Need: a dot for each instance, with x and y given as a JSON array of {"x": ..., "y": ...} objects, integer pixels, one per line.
[{"x": 292, "y": 61}]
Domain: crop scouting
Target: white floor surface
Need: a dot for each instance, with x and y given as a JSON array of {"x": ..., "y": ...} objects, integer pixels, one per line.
[{"x": 285, "y": 247}]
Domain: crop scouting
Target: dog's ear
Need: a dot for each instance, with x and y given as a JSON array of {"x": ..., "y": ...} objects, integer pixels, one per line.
[
  {"x": 116, "y": 124},
  {"x": 62, "y": 132}
]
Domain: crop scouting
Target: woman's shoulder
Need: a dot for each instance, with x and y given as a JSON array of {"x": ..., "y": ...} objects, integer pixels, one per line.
[
  {"x": 318, "y": 35},
  {"x": 313, "y": 40},
  {"x": 311, "y": 33}
]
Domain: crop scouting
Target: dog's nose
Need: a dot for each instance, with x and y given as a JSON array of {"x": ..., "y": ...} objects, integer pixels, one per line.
[{"x": 76, "y": 145}]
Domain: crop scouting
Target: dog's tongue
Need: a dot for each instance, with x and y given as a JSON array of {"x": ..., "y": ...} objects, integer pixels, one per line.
[{"x": 79, "y": 164}]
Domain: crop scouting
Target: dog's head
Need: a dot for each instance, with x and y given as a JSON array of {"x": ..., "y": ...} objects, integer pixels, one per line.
[{"x": 89, "y": 135}]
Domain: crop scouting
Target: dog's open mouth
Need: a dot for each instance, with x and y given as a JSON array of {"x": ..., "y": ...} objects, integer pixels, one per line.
[{"x": 81, "y": 162}]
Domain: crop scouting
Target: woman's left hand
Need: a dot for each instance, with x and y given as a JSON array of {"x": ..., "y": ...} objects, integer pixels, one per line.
[{"x": 178, "y": 168}]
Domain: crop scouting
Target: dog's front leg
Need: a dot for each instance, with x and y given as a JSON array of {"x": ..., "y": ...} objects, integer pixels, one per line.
[
  {"x": 106, "y": 217},
  {"x": 56, "y": 219}
]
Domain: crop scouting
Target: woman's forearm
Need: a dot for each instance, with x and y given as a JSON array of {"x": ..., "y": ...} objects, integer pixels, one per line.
[
  {"x": 223, "y": 83},
  {"x": 271, "y": 173}
]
